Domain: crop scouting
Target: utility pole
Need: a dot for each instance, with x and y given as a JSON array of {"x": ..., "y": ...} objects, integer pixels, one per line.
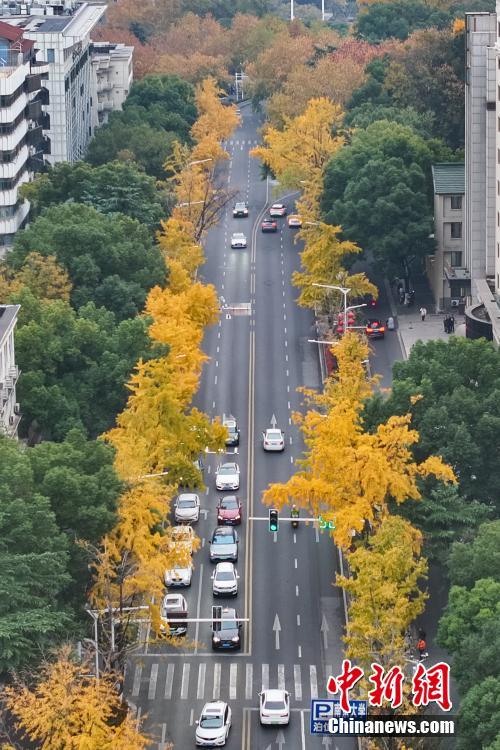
[
  {"x": 291, "y": 11},
  {"x": 322, "y": 10}
]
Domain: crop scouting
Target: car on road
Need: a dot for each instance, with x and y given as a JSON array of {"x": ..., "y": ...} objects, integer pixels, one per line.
[
  {"x": 227, "y": 476},
  {"x": 269, "y": 225},
  {"x": 240, "y": 210},
  {"x": 375, "y": 329},
  {"x": 173, "y": 607},
  {"x": 224, "y": 544},
  {"x": 226, "y": 634},
  {"x": 187, "y": 508},
  {"x": 179, "y": 576},
  {"x": 238, "y": 240},
  {"x": 273, "y": 439},
  {"x": 230, "y": 423},
  {"x": 181, "y": 539},
  {"x": 274, "y": 707},
  {"x": 277, "y": 209},
  {"x": 229, "y": 510},
  {"x": 294, "y": 220},
  {"x": 212, "y": 728},
  {"x": 225, "y": 580}
]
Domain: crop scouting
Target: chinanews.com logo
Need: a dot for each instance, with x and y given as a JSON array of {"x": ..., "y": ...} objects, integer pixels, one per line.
[{"x": 344, "y": 716}]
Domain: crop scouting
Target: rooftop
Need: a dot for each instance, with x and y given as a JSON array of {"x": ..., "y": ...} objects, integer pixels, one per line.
[{"x": 449, "y": 178}]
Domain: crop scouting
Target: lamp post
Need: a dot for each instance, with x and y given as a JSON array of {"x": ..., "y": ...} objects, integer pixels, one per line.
[
  {"x": 344, "y": 291},
  {"x": 95, "y": 617}
]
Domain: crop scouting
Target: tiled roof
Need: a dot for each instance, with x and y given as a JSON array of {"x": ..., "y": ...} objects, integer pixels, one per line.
[{"x": 449, "y": 178}]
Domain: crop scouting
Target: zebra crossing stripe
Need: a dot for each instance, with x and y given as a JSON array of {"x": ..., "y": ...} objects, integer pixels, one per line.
[
  {"x": 298, "y": 682},
  {"x": 233, "y": 670},
  {"x": 137, "y": 680},
  {"x": 265, "y": 677},
  {"x": 153, "y": 678},
  {"x": 216, "y": 692},
  {"x": 249, "y": 682},
  {"x": 201, "y": 680},
  {"x": 169, "y": 681},
  {"x": 281, "y": 676},
  {"x": 185, "y": 681},
  {"x": 314, "y": 681}
]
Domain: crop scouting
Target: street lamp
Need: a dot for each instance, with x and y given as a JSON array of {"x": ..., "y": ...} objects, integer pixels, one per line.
[
  {"x": 199, "y": 161},
  {"x": 95, "y": 617},
  {"x": 344, "y": 291}
]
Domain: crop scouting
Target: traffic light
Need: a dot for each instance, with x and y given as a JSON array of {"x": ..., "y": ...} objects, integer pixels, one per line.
[{"x": 273, "y": 519}]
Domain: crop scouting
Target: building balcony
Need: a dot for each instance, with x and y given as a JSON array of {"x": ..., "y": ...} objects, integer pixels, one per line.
[
  {"x": 35, "y": 136},
  {"x": 455, "y": 273},
  {"x": 33, "y": 83},
  {"x": 34, "y": 110},
  {"x": 9, "y": 424}
]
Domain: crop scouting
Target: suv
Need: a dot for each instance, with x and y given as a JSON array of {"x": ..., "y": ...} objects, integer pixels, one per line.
[
  {"x": 173, "y": 606},
  {"x": 224, "y": 544},
  {"x": 226, "y": 634},
  {"x": 240, "y": 210}
]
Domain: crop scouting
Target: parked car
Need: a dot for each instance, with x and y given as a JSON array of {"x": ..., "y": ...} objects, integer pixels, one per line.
[{"x": 375, "y": 329}]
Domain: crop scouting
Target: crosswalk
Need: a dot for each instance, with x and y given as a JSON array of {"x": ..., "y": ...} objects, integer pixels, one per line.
[
  {"x": 236, "y": 142},
  {"x": 226, "y": 680}
]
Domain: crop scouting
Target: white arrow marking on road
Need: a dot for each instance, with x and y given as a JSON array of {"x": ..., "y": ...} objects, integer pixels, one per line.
[
  {"x": 277, "y": 629},
  {"x": 204, "y": 512},
  {"x": 268, "y": 747},
  {"x": 274, "y": 421},
  {"x": 324, "y": 630},
  {"x": 280, "y": 739}
]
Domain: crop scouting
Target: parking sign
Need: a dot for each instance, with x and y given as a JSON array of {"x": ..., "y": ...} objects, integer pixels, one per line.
[{"x": 324, "y": 710}]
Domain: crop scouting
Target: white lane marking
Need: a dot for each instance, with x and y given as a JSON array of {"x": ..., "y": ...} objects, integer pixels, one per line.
[
  {"x": 162, "y": 745},
  {"x": 290, "y": 438},
  {"x": 288, "y": 373},
  {"x": 286, "y": 357},
  {"x": 295, "y": 562},
  {"x": 289, "y": 420},
  {"x": 218, "y": 335},
  {"x": 298, "y": 681},
  {"x": 285, "y": 335},
  {"x": 191, "y": 717},
  {"x": 289, "y": 405},
  {"x": 281, "y": 676},
  {"x": 296, "y": 590},
  {"x": 286, "y": 342},
  {"x": 216, "y": 690},
  {"x": 302, "y": 731},
  {"x": 314, "y": 681},
  {"x": 248, "y": 682},
  {"x": 137, "y": 680},
  {"x": 207, "y": 491},
  {"x": 294, "y": 538},
  {"x": 169, "y": 681},
  {"x": 213, "y": 404},
  {"x": 285, "y": 318},
  {"x": 185, "y": 681},
  {"x": 216, "y": 362},
  {"x": 153, "y": 679},
  {"x": 275, "y": 536},
  {"x": 265, "y": 676},
  {"x": 233, "y": 673},
  {"x": 300, "y": 652},
  {"x": 291, "y": 459},
  {"x": 288, "y": 389},
  {"x": 216, "y": 380},
  {"x": 201, "y": 680},
  {"x": 209, "y": 469},
  {"x": 198, "y": 603},
  {"x": 317, "y": 534},
  {"x": 298, "y": 621},
  {"x": 218, "y": 349}
]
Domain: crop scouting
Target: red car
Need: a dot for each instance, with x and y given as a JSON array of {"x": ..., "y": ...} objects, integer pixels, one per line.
[
  {"x": 229, "y": 510},
  {"x": 269, "y": 225}
]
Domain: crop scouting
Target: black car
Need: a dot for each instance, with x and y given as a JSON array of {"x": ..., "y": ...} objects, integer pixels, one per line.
[
  {"x": 269, "y": 225},
  {"x": 231, "y": 425},
  {"x": 375, "y": 329},
  {"x": 240, "y": 211},
  {"x": 226, "y": 634}
]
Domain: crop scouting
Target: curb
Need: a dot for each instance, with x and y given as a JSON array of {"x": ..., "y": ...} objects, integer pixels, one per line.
[{"x": 394, "y": 314}]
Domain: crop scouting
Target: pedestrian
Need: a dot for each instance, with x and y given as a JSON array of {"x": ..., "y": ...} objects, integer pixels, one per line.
[
  {"x": 452, "y": 324},
  {"x": 446, "y": 324},
  {"x": 423, "y": 313},
  {"x": 422, "y": 649},
  {"x": 390, "y": 323}
]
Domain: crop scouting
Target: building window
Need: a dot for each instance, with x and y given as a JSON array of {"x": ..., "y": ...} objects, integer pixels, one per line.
[
  {"x": 456, "y": 230},
  {"x": 81, "y": 90},
  {"x": 456, "y": 259},
  {"x": 456, "y": 202},
  {"x": 51, "y": 55}
]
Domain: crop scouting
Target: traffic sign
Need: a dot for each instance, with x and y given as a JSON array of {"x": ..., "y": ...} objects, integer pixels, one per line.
[{"x": 324, "y": 710}]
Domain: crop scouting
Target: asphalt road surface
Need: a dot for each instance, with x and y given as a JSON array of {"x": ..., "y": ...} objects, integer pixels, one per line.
[{"x": 296, "y": 617}]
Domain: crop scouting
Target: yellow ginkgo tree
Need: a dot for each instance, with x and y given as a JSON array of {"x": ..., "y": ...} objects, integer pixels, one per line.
[{"x": 349, "y": 475}]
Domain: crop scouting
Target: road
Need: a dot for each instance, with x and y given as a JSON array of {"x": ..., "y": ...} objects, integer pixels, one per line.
[{"x": 257, "y": 363}]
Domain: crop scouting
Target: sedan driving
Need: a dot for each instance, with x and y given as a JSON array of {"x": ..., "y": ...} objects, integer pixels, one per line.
[
  {"x": 274, "y": 707},
  {"x": 277, "y": 209},
  {"x": 375, "y": 329},
  {"x": 224, "y": 544},
  {"x": 213, "y": 727},
  {"x": 179, "y": 576},
  {"x": 269, "y": 225},
  {"x": 225, "y": 580},
  {"x": 227, "y": 476},
  {"x": 273, "y": 440},
  {"x": 240, "y": 210},
  {"x": 229, "y": 510},
  {"x": 226, "y": 634},
  {"x": 238, "y": 240},
  {"x": 187, "y": 508}
]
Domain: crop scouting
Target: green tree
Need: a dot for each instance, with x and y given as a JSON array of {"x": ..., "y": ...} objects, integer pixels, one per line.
[
  {"x": 165, "y": 102},
  {"x": 75, "y": 366},
  {"x": 444, "y": 516},
  {"x": 452, "y": 390},
  {"x": 33, "y": 564},
  {"x": 117, "y": 187},
  {"x": 111, "y": 259},
  {"x": 479, "y": 716},
  {"x": 378, "y": 189},
  {"x": 467, "y": 612},
  {"x": 397, "y": 19},
  {"x": 479, "y": 558},
  {"x": 362, "y": 116}
]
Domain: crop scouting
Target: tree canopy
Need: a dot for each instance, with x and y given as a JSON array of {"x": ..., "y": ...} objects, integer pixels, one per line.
[
  {"x": 111, "y": 259},
  {"x": 397, "y": 19},
  {"x": 115, "y": 187}
]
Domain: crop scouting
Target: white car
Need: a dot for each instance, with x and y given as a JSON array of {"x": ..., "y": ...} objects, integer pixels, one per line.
[
  {"x": 273, "y": 439},
  {"x": 179, "y": 576},
  {"x": 225, "y": 579},
  {"x": 294, "y": 220},
  {"x": 181, "y": 539},
  {"x": 173, "y": 607},
  {"x": 274, "y": 707},
  {"x": 213, "y": 727},
  {"x": 227, "y": 477},
  {"x": 187, "y": 508},
  {"x": 277, "y": 209},
  {"x": 238, "y": 239}
]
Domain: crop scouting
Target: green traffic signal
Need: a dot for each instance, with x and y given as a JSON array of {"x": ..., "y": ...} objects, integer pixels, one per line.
[{"x": 273, "y": 520}]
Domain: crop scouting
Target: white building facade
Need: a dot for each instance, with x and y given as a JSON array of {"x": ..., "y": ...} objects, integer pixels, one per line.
[
  {"x": 10, "y": 415},
  {"x": 112, "y": 76}
]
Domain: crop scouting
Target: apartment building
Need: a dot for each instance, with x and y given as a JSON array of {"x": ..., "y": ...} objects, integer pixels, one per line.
[
  {"x": 112, "y": 77},
  {"x": 448, "y": 276},
  {"x": 10, "y": 415},
  {"x": 21, "y": 140}
]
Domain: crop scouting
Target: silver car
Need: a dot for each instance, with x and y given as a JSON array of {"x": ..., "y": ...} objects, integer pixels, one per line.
[
  {"x": 225, "y": 580},
  {"x": 187, "y": 508},
  {"x": 224, "y": 544},
  {"x": 227, "y": 476}
]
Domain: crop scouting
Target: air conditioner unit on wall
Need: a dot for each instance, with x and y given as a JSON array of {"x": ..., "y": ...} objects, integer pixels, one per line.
[{"x": 455, "y": 302}]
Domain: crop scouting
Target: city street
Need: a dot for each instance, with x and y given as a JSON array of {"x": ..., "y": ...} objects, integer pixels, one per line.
[{"x": 257, "y": 362}]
